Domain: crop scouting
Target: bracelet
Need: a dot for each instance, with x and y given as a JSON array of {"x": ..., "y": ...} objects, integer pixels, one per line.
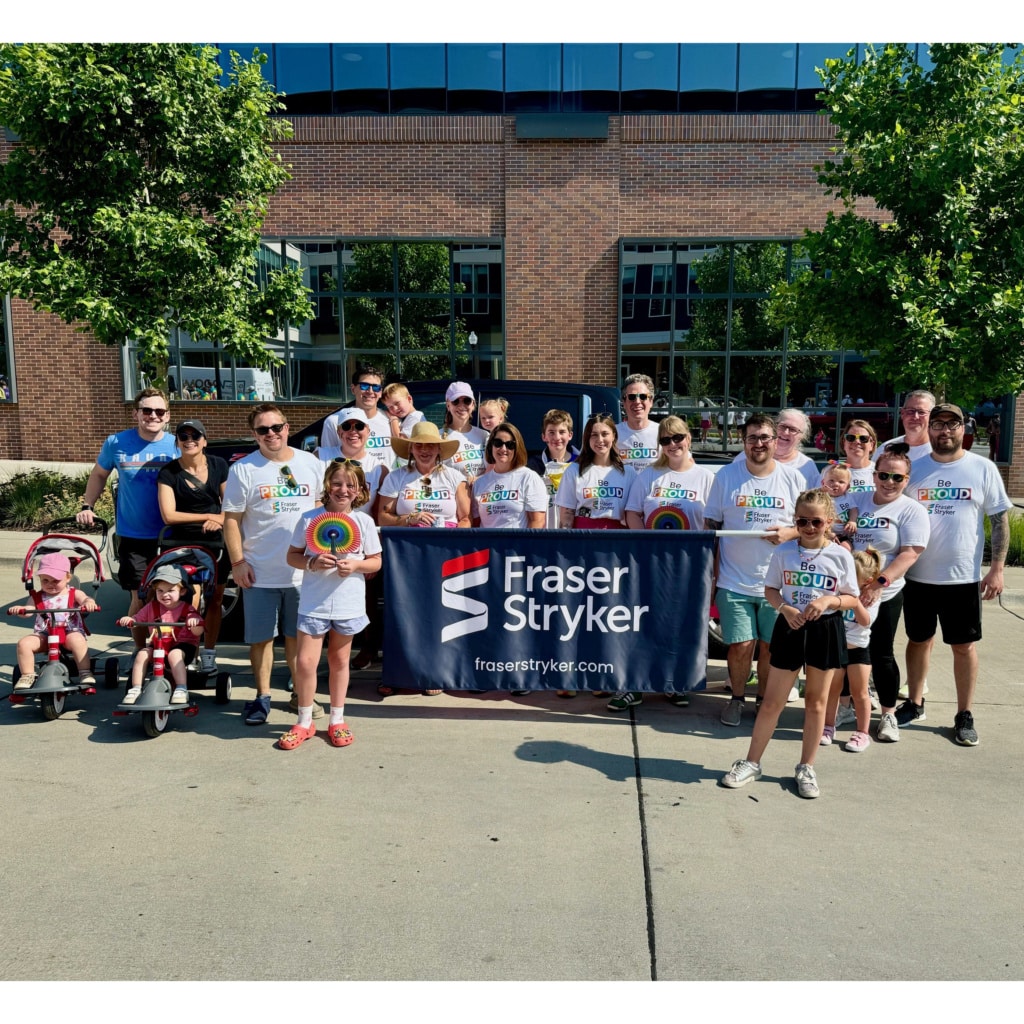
[{"x": 239, "y": 562}]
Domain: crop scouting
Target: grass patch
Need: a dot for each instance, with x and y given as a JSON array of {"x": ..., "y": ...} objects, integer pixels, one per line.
[{"x": 28, "y": 501}]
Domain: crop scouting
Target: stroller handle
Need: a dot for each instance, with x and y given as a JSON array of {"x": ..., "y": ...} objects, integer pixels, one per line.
[
  {"x": 50, "y": 612},
  {"x": 57, "y": 525}
]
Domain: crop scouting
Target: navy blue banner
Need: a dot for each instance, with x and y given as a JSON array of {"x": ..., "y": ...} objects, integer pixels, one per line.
[{"x": 546, "y": 609}]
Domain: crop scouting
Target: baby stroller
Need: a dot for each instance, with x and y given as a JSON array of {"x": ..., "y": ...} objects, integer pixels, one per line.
[
  {"x": 198, "y": 570},
  {"x": 57, "y": 675}
]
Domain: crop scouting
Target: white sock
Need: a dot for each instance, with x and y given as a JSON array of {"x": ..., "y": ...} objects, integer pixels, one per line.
[
  {"x": 210, "y": 651},
  {"x": 337, "y": 715},
  {"x": 305, "y": 719}
]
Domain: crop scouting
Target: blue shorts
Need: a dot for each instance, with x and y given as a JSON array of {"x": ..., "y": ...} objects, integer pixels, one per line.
[
  {"x": 316, "y": 625},
  {"x": 268, "y": 610},
  {"x": 744, "y": 618}
]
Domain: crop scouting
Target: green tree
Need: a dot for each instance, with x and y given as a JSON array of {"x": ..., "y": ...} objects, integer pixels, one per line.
[
  {"x": 135, "y": 198},
  {"x": 930, "y": 280}
]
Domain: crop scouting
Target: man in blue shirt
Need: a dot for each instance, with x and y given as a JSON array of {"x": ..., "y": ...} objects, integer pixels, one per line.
[{"x": 138, "y": 455}]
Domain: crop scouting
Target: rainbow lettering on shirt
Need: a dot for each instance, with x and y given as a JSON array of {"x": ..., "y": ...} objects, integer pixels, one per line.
[
  {"x": 674, "y": 492},
  {"x": 638, "y": 453},
  {"x": 804, "y": 578},
  {"x": 759, "y": 501},
  {"x": 944, "y": 494},
  {"x": 870, "y": 522},
  {"x": 438, "y": 494},
  {"x": 513, "y": 495},
  {"x": 285, "y": 491},
  {"x": 602, "y": 491}
]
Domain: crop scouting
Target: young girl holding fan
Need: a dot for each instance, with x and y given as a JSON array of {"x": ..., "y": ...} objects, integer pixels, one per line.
[
  {"x": 810, "y": 581},
  {"x": 336, "y": 547}
]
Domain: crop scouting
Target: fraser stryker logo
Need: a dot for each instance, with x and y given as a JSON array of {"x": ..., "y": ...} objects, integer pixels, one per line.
[{"x": 457, "y": 575}]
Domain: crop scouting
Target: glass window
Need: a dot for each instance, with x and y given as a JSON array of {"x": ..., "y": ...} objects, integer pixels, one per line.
[
  {"x": 767, "y": 77},
  {"x": 360, "y": 78},
  {"x": 707, "y": 77},
  {"x": 417, "y": 78},
  {"x": 810, "y": 57},
  {"x": 590, "y": 77},
  {"x": 533, "y": 77},
  {"x": 650, "y": 77},
  {"x": 304, "y": 74},
  {"x": 244, "y": 50},
  {"x": 475, "y": 72},
  {"x": 7, "y": 392}
]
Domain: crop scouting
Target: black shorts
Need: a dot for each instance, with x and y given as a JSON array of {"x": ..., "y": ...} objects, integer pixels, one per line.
[
  {"x": 858, "y": 656},
  {"x": 820, "y": 644},
  {"x": 134, "y": 555},
  {"x": 954, "y": 606}
]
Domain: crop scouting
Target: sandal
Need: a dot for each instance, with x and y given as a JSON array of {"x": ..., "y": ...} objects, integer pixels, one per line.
[
  {"x": 296, "y": 736},
  {"x": 340, "y": 735},
  {"x": 432, "y": 693},
  {"x": 385, "y": 691}
]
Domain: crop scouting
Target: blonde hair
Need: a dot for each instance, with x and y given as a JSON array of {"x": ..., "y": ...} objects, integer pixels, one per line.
[
  {"x": 837, "y": 470},
  {"x": 501, "y": 403},
  {"x": 669, "y": 425},
  {"x": 817, "y": 496},
  {"x": 396, "y": 390},
  {"x": 354, "y": 471},
  {"x": 869, "y": 563}
]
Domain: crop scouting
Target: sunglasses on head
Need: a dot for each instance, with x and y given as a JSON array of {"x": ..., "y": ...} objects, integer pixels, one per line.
[
  {"x": 354, "y": 425},
  {"x": 803, "y": 521},
  {"x": 275, "y": 427},
  {"x": 147, "y": 411},
  {"x": 896, "y": 478},
  {"x": 187, "y": 435},
  {"x": 463, "y": 400},
  {"x": 673, "y": 438},
  {"x": 638, "y": 397},
  {"x": 342, "y": 461},
  {"x": 501, "y": 442},
  {"x": 863, "y": 438},
  {"x": 375, "y": 388}
]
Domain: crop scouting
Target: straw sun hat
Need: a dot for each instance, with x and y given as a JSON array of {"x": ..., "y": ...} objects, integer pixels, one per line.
[{"x": 424, "y": 432}]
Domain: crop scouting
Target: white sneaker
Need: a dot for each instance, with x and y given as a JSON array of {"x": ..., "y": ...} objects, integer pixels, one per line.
[
  {"x": 905, "y": 691},
  {"x": 741, "y": 773},
  {"x": 806, "y": 782},
  {"x": 845, "y": 715},
  {"x": 794, "y": 694},
  {"x": 888, "y": 728},
  {"x": 25, "y": 682},
  {"x": 133, "y": 694},
  {"x": 208, "y": 661},
  {"x": 179, "y": 695}
]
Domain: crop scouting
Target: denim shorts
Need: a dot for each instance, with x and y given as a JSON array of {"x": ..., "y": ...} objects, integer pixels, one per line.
[
  {"x": 269, "y": 610},
  {"x": 315, "y": 625}
]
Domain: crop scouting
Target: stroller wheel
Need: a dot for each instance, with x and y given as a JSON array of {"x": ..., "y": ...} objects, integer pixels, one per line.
[
  {"x": 223, "y": 688},
  {"x": 52, "y": 705},
  {"x": 155, "y": 722},
  {"x": 111, "y": 673}
]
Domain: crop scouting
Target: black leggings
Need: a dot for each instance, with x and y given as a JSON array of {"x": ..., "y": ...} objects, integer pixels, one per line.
[{"x": 884, "y": 667}]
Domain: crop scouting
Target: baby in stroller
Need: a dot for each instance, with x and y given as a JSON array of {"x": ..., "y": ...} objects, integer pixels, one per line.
[
  {"x": 55, "y": 594},
  {"x": 177, "y": 627}
]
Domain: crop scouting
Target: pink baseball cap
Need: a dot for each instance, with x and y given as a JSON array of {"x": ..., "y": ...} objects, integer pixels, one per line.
[{"x": 55, "y": 565}]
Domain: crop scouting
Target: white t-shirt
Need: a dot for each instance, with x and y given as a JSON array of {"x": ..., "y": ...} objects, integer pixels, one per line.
[
  {"x": 598, "y": 493},
  {"x": 801, "y": 463},
  {"x": 437, "y": 497},
  {"x": 637, "y": 448},
  {"x": 957, "y": 496},
  {"x": 856, "y": 634},
  {"x": 802, "y": 575},
  {"x": 917, "y": 451},
  {"x": 740, "y": 501},
  {"x": 378, "y": 443},
  {"x": 373, "y": 470},
  {"x": 270, "y": 506},
  {"x": 410, "y": 421},
  {"x": 326, "y": 594},
  {"x": 469, "y": 459},
  {"x": 862, "y": 481},
  {"x": 501, "y": 500},
  {"x": 887, "y": 528},
  {"x": 658, "y": 487}
]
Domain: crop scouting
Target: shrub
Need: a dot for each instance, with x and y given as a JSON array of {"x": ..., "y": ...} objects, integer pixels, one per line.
[{"x": 28, "y": 501}]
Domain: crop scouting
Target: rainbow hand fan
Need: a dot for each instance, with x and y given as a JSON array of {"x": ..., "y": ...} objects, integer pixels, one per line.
[
  {"x": 333, "y": 533},
  {"x": 668, "y": 517}
]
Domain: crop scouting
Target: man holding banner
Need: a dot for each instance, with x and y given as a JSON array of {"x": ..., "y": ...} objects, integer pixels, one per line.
[{"x": 756, "y": 495}]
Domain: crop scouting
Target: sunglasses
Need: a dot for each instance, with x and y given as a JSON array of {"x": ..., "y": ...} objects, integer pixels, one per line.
[
  {"x": 187, "y": 435},
  {"x": 896, "y": 478},
  {"x": 342, "y": 461},
  {"x": 863, "y": 438},
  {"x": 947, "y": 426},
  {"x": 500, "y": 442},
  {"x": 758, "y": 438},
  {"x": 275, "y": 427},
  {"x": 803, "y": 522},
  {"x": 638, "y": 397},
  {"x": 354, "y": 425},
  {"x": 158, "y": 413},
  {"x": 375, "y": 388},
  {"x": 462, "y": 401},
  {"x": 673, "y": 439}
]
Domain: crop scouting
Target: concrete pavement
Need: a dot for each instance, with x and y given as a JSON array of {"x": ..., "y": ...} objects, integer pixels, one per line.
[{"x": 486, "y": 838}]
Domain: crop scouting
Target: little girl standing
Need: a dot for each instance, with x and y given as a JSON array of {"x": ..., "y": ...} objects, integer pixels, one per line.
[
  {"x": 858, "y": 621},
  {"x": 810, "y": 581},
  {"x": 54, "y": 594},
  {"x": 332, "y": 602},
  {"x": 166, "y": 605}
]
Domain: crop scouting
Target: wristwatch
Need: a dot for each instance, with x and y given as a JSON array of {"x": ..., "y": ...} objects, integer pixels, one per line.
[
  {"x": 86, "y": 508},
  {"x": 883, "y": 580}
]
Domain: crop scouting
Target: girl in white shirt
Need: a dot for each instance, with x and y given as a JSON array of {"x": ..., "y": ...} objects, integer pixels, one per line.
[{"x": 593, "y": 491}]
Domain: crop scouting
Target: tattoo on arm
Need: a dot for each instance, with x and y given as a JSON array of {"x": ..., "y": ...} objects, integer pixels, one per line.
[{"x": 1000, "y": 536}]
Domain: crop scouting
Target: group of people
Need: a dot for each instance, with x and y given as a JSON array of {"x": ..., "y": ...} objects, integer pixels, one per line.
[{"x": 812, "y": 571}]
